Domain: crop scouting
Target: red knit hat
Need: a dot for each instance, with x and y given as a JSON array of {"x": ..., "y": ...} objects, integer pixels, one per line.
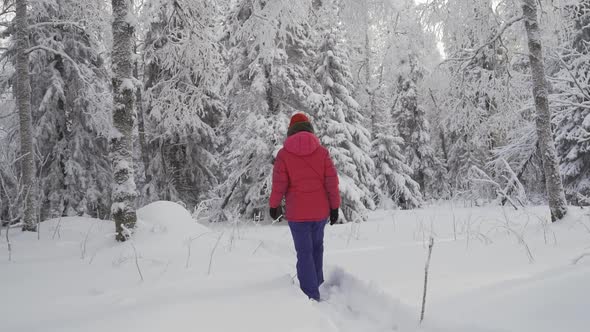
[{"x": 298, "y": 117}]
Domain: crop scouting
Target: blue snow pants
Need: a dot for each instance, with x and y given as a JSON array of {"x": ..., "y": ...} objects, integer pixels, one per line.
[{"x": 309, "y": 244}]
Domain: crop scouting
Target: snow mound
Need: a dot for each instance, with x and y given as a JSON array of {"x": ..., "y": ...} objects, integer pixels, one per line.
[
  {"x": 168, "y": 217},
  {"x": 164, "y": 230}
]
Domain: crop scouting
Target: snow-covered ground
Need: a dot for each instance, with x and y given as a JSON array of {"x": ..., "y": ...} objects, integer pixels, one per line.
[{"x": 492, "y": 269}]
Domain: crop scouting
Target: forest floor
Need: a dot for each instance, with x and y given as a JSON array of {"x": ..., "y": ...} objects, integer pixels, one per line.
[{"x": 492, "y": 269}]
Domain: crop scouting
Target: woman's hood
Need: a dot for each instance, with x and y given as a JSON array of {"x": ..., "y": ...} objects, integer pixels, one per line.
[{"x": 302, "y": 144}]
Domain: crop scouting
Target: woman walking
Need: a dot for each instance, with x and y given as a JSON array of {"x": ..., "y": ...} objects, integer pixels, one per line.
[{"x": 305, "y": 175}]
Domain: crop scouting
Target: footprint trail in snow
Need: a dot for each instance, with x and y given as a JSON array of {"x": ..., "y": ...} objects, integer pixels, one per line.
[{"x": 351, "y": 305}]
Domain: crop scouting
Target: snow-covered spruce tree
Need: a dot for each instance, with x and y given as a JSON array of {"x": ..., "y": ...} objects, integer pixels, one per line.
[
  {"x": 553, "y": 182},
  {"x": 409, "y": 54},
  {"x": 183, "y": 68},
  {"x": 394, "y": 176},
  {"x": 414, "y": 129},
  {"x": 22, "y": 93},
  {"x": 71, "y": 101},
  {"x": 339, "y": 122},
  {"x": 572, "y": 132},
  {"x": 121, "y": 141},
  {"x": 267, "y": 45}
]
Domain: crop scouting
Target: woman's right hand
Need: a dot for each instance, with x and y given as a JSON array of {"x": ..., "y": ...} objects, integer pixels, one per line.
[{"x": 333, "y": 216}]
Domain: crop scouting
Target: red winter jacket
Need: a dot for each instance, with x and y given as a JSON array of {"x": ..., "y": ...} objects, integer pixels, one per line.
[{"x": 304, "y": 173}]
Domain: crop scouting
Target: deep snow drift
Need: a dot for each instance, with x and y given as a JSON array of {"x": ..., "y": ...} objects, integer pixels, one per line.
[{"x": 492, "y": 269}]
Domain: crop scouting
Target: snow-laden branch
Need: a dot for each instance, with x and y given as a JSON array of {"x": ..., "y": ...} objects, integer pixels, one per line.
[
  {"x": 185, "y": 17},
  {"x": 7, "y": 8},
  {"x": 477, "y": 175},
  {"x": 497, "y": 36},
  {"x": 569, "y": 103},
  {"x": 57, "y": 23},
  {"x": 575, "y": 81},
  {"x": 62, "y": 54}
]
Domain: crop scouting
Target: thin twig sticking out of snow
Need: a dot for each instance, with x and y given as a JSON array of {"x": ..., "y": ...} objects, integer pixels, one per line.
[
  {"x": 430, "y": 245},
  {"x": 394, "y": 212},
  {"x": 38, "y": 227},
  {"x": 92, "y": 258},
  {"x": 421, "y": 231},
  {"x": 468, "y": 231},
  {"x": 199, "y": 209},
  {"x": 257, "y": 247},
  {"x": 545, "y": 224},
  {"x": 9, "y": 223},
  {"x": 579, "y": 258},
  {"x": 189, "y": 244},
  {"x": 454, "y": 220},
  {"x": 584, "y": 225},
  {"x": 57, "y": 229},
  {"x": 546, "y": 227},
  {"x": 472, "y": 230},
  {"x": 354, "y": 231},
  {"x": 83, "y": 244},
  {"x": 136, "y": 260},
  {"x": 213, "y": 252},
  {"x": 519, "y": 237},
  {"x": 126, "y": 230},
  {"x": 9, "y": 245},
  {"x": 235, "y": 232}
]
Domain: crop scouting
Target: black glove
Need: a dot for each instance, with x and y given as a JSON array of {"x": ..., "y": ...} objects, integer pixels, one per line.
[
  {"x": 275, "y": 213},
  {"x": 333, "y": 216}
]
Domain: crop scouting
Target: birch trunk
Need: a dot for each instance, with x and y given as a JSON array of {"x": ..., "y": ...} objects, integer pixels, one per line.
[
  {"x": 124, "y": 191},
  {"x": 553, "y": 183},
  {"x": 23, "y": 100}
]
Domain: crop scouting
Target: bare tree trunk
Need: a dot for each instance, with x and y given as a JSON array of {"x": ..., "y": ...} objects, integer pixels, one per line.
[
  {"x": 23, "y": 101},
  {"x": 124, "y": 191},
  {"x": 553, "y": 184}
]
